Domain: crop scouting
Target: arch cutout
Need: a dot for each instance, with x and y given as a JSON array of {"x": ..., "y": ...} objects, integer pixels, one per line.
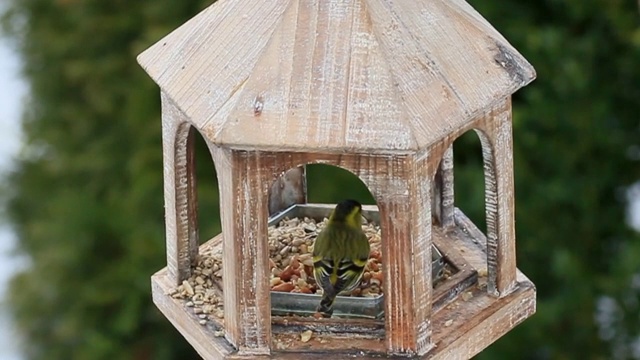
[
  {"x": 470, "y": 177},
  {"x": 294, "y": 292},
  {"x": 476, "y": 193},
  {"x": 208, "y": 192}
]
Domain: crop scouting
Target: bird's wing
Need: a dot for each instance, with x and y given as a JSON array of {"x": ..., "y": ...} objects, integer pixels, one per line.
[
  {"x": 323, "y": 269},
  {"x": 349, "y": 272}
]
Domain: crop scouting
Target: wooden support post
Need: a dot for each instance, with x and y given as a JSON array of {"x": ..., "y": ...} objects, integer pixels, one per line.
[
  {"x": 420, "y": 192},
  {"x": 497, "y": 147},
  {"x": 442, "y": 194},
  {"x": 447, "y": 201},
  {"x": 288, "y": 189},
  {"x": 181, "y": 218},
  {"x": 243, "y": 209},
  {"x": 400, "y": 318},
  {"x": 404, "y": 200}
]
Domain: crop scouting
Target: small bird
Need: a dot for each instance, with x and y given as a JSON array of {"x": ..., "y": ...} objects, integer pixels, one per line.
[{"x": 340, "y": 254}]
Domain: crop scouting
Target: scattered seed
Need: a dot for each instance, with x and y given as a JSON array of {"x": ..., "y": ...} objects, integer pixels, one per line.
[
  {"x": 188, "y": 288},
  {"x": 290, "y": 245},
  {"x": 306, "y": 336}
]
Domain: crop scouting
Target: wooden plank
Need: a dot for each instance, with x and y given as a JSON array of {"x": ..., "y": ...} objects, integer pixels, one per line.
[
  {"x": 420, "y": 235},
  {"x": 460, "y": 330},
  {"x": 192, "y": 228},
  {"x": 465, "y": 277},
  {"x": 468, "y": 239},
  {"x": 179, "y": 191},
  {"x": 505, "y": 192},
  {"x": 244, "y": 214},
  {"x": 365, "y": 328},
  {"x": 375, "y": 115},
  {"x": 204, "y": 62},
  {"x": 387, "y": 179},
  {"x": 400, "y": 317},
  {"x": 497, "y": 154},
  {"x": 479, "y": 321},
  {"x": 447, "y": 186},
  {"x": 202, "y": 338}
]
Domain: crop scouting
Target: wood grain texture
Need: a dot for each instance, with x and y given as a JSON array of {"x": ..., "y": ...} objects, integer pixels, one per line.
[
  {"x": 503, "y": 145},
  {"x": 243, "y": 208},
  {"x": 358, "y": 75},
  {"x": 497, "y": 153},
  {"x": 328, "y": 86},
  {"x": 493, "y": 127},
  {"x": 288, "y": 189},
  {"x": 461, "y": 329},
  {"x": 447, "y": 202},
  {"x": 466, "y": 274},
  {"x": 420, "y": 234},
  {"x": 180, "y": 191},
  {"x": 381, "y": 88},
  {"x": 443, "y": 193},
  {"x": 204, "y": 62},
  {"x": 202, "y": 338}
]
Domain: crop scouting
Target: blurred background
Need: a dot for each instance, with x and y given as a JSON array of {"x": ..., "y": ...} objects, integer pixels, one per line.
[{"x": 82, "y": 200}]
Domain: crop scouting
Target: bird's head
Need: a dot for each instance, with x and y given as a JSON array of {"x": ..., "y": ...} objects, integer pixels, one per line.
[{"x": 349, "y": 212}]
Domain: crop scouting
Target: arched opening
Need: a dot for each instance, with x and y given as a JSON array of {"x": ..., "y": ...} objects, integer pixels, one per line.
[
  {"x": 469, "y": 179},
  {"x": 208, "y": 194},
  {"x": 330, "y": 184},
  {"x": 295, "y": 293},
  {"x": 197, "y": 198}
]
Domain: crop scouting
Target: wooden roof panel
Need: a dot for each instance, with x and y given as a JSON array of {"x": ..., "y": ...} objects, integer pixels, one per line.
[
  {"x": 365, "y": 75},
  {"x": 201, "y": 64}
]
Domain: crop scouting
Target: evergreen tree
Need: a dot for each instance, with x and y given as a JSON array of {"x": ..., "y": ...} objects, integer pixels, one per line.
[{"x": 86, "y": 196}]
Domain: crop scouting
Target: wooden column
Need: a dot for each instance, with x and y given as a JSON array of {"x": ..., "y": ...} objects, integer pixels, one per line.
[
  {"x": 244, "y": 212},
  {"x": 288, "y": 189},
  {"x": 404, "y": 201},
  {"x": 497, "y": 150},
  {"x": 442, "y": 194},
  {"x": 180, "y": 194},
  {"x": 420, "y": 192}
]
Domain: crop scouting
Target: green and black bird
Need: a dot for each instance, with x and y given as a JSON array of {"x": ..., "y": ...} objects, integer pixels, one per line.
[{"x": 340, "y": 254}]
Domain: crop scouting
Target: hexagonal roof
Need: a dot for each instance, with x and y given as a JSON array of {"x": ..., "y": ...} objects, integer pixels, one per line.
[{"x": 335, "y": 75}]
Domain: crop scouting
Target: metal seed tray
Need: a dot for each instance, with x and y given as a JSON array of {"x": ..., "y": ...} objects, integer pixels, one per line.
[{"x": 345, "y": 306}]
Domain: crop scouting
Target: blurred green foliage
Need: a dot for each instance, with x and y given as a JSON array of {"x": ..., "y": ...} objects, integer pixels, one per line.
[{"x": 86, "y": 195}]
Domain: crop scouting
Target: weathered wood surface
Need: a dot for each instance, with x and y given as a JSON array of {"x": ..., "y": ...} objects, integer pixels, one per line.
[
  {"x": 388, "y": 177},
  {"x": 202, "y": 338},
  {"x": 465, "y": 277},
  {"x": 443, "y": 194},
  {"x": 181, "y": 220},
  {"x": 288, "y": 189},
  {"x": 354, "y": 75},
  {"x": 460, "y": 330},
  {"x": 202, "y": 64},
  {"x": 381, "y": 88},
  {"x": 499, "y": 199},
  {"x": 402, "y": 186},
  {"x": 244, "y": 214},
  {"x": 493, "y": 127}
]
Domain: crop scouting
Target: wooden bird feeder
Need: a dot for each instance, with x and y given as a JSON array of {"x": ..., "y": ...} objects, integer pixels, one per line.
[{"x": 378, "y": 87}]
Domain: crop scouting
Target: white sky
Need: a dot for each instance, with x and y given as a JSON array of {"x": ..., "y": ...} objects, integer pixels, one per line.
[{"x": 12, "y": 91}]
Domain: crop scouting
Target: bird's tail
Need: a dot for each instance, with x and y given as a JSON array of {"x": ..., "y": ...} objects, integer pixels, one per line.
[{"x": 326, "y": 304}]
